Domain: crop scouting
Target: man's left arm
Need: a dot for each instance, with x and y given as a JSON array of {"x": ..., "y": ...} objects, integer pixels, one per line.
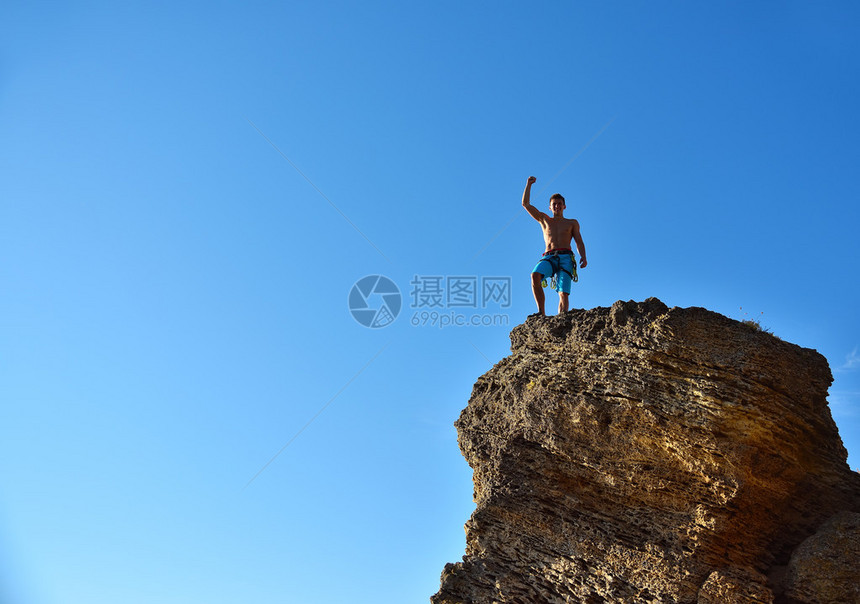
[{"x": 580, "y": 246}]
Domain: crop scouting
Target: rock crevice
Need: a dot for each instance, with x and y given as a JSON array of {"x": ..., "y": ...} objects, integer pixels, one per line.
[{"x": 645, "y": 454}]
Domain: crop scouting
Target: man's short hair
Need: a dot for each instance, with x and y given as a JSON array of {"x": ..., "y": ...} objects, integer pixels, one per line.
[{"x": 558, "y": 196}]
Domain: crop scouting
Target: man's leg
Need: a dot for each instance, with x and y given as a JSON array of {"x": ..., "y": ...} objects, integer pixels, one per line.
[
  {"x": 564, "y": 282},
  {"x": 537, "y": 290}
]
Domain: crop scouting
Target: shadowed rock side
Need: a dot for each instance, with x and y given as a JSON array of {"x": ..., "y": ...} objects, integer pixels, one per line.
[{"x": 648, "y": 454}]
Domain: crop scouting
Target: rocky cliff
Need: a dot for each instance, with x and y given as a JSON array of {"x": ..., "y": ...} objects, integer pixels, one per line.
[{"x": 645, "y": 454}]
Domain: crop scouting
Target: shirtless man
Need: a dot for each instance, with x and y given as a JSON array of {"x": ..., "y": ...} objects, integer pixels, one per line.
[{"x": 558, "y": 258}]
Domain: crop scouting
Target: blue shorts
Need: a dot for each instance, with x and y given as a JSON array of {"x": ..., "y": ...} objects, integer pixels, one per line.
[{"x": 553, "y": 264}]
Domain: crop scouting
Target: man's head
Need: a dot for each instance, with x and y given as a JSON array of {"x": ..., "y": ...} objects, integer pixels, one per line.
[{"x": 556, "y": 203}]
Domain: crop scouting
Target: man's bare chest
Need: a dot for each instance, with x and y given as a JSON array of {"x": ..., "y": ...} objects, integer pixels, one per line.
[{"x": 558, "y": 227}]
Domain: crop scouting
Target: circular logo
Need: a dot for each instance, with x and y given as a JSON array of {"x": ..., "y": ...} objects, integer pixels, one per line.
[{"x": 374, "y": 301}]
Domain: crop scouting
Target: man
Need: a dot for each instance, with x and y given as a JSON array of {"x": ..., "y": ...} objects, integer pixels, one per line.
[{"x": 558, "y": 260}]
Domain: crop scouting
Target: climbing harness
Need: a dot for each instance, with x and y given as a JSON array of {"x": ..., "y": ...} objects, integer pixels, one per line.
[{"x": 552, "y": 257}]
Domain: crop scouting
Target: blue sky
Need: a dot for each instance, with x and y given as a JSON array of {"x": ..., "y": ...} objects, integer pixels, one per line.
[{"x": 189, "y": 192}]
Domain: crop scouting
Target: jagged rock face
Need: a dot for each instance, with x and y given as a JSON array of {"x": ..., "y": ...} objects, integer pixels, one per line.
[
  {"x": 648, "y": 454},
  {"x": 825, "y": 568}
]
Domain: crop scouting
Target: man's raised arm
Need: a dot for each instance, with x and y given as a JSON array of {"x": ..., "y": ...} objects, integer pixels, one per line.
[{"x": 535, "y": 213}]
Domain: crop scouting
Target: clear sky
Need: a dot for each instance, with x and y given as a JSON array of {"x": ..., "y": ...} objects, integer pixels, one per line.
[{"x": 189, "y": 192}]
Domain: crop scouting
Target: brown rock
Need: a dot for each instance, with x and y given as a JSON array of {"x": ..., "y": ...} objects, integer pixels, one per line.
[
  {"x": 645, "y": 454},
  {"x": 825, "y": 569},
  {"x": 735, "y": 586}
]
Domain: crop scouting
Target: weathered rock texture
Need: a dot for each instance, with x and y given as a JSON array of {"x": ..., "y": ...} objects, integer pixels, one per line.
[{"x": 646, "y": 454}]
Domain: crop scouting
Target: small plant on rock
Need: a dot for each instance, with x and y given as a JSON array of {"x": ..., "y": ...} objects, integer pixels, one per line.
[{"x": 755, "y": 323}]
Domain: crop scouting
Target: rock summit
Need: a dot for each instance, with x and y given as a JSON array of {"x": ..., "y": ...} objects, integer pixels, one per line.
[{"x": 641, "y": 453}]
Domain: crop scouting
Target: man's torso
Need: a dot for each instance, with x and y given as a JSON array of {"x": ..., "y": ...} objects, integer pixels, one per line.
[{"x": 557, "y": 232}]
